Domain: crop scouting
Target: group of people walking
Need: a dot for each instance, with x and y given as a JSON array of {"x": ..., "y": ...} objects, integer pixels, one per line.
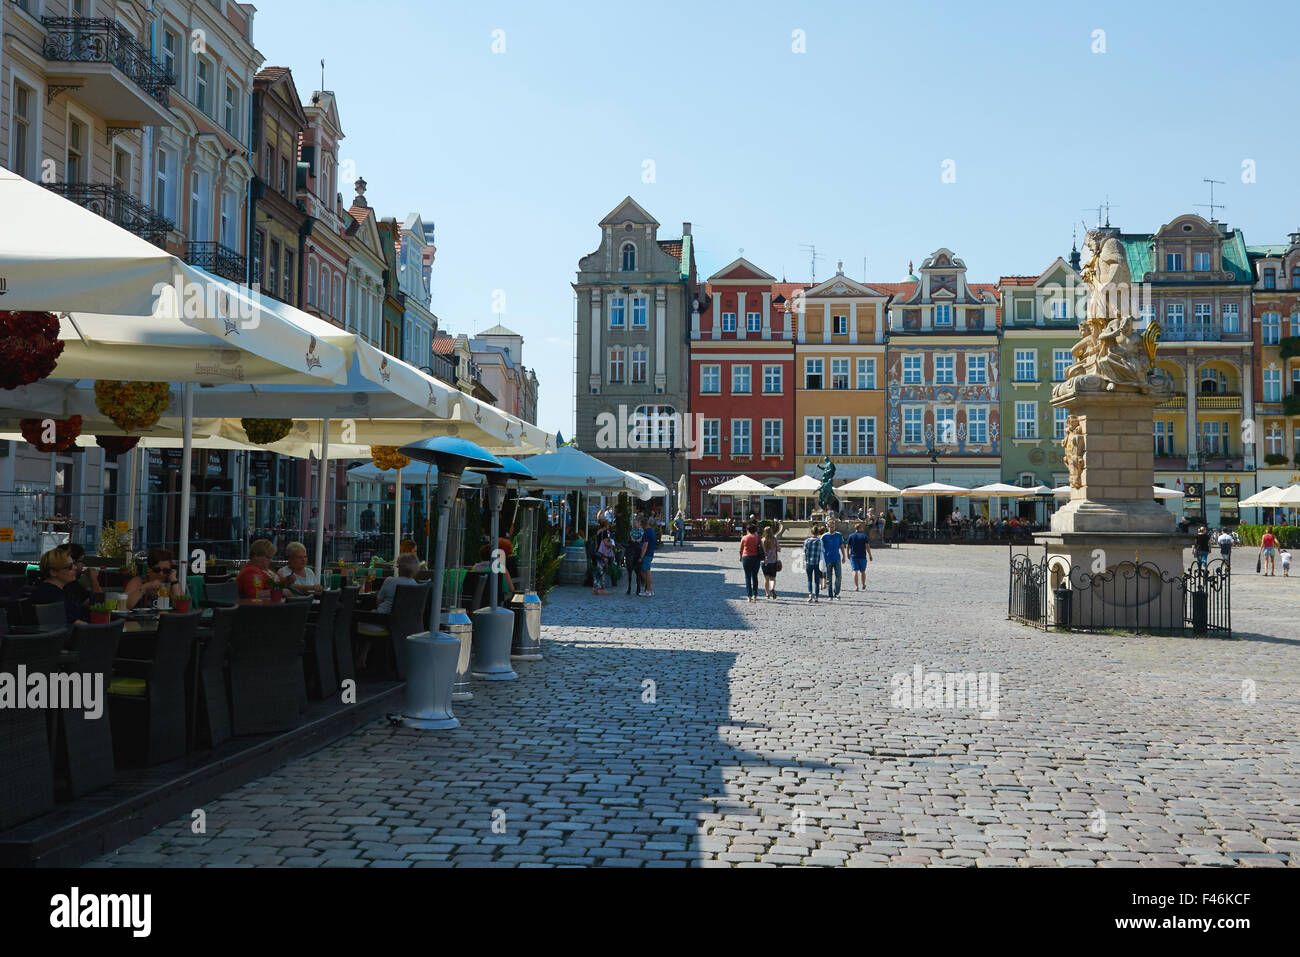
[
  {"x": 824, "y": 552},
  {"x": 638, "y": 555}
]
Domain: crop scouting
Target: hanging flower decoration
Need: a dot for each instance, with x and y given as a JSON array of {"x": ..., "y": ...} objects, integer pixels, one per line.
[
  {"x": 387, "y": 457},
  {"x": 65, "y": 432},
  {"x": 117, "y": 444},
  {"x": 131, "y": 405},
  {"x": 266, "y": 431},
  {"x": 29, "y": 347}
]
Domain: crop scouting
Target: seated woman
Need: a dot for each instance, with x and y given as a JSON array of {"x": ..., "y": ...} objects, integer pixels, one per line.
[
  {"x": 159, "y": 579},
  {"x": 408, "y": 565},
  {"x": 57, "y": 572},
  {"x": 86, "y": 587},
  {"x": 298, "y": 576},
  {"x": 407, "y": 547},
  {"x": 255, "y": 580}
]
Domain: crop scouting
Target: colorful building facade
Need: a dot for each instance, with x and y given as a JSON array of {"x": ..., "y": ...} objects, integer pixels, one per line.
[{"x": 1275, "y": 330}]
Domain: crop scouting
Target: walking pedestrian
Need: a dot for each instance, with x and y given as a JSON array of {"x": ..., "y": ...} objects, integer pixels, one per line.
[
  {"x": 1201, "y": 547},
  {"x": 771, "y": 557},
  {"x": 1286, "y": 562},
  {"x": 602, "y": 555},
  {"x": 812, "y": 560},
  {"x": 1268, "y": 550},
  {"x": 1225, "y": 546},
  {"x": 679, "y": 527},
  {"x": 648, "y": 541},
  {"x": 832, "y": 557},
  {"x": 750, "y": 559},
  {"x": 859, "y": 545}
]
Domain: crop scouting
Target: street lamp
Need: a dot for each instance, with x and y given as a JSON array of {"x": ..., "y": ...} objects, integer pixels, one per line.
[{"x": 934, "y": 507}]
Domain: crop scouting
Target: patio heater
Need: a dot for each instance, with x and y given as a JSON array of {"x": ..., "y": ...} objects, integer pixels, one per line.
[
  {"x": 494, "y": 626},
  {"x": 526, "y": 606},
  {"x": 452, "y": 617},
  {"x": 432, "y": 658}
]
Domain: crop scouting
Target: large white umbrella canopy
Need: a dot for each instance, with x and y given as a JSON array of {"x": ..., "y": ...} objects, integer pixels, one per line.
[
  {"x": 1264, "y": 498},
  {"x": 934, "y": 488},
  {"x": 805, "y": 486},
  {"x": 742, "y": 485},
  {"x": 1288, "y": 496},
  {"x": 652, "y": 488},
  {"x": 867, "y": 485},
  {"x": 569, "y": 468},
  {"x": 998, "y": 490},
  {"x": 1036, "y": 490}
]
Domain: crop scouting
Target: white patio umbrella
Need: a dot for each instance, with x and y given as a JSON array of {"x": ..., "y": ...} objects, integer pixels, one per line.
[
  {"x": 742, "y": 485},
  {"x": 1063, "y": 491},
  {"x": 569, "y": 469},
  {"x": 804, "y": 487},
  {"x": 933, "y": 490},
  {"x": 869, "y": 486},
  {"x": 1288, "y": 497},
  {"x": 1264, "y": 498}
]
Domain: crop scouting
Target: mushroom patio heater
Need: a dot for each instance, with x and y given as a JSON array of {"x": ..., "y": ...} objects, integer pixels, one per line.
[
  {"x": 432, "y": 658},
  {"x": 527, "y": 607},
  {"x": 452, "y": 617},
  {"x": 494, "y": 626}
]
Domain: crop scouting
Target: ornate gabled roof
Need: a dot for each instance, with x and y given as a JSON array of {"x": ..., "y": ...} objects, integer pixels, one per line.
[
  {"x": 628, "y": 210},
  {"x": 499, "y": 330}
]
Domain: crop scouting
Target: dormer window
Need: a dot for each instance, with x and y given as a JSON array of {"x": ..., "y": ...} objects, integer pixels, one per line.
[
  {"x": 943, "y": 314},
  {"x": 1201, "y": 262},
  {"x": 628, "y": 258},
  {"x": 1270, "y": 278},
  {"x": 1173, "y": 262}
]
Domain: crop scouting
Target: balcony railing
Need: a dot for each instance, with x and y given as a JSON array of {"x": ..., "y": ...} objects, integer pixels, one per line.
[
  {"x": 1196, "y": 332},
  {"x": 217, "y": 259},
  {"x": 100, "y": 40},
  {"x": 1219, "y": 402},
  {"x": 119, "y": 207}
]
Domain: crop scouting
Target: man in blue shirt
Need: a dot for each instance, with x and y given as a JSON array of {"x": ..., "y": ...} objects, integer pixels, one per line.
[
  {"x": 859, "y": 546},
  {"x": 648, "y": 542},
  {"x": 832, "y": 554}
]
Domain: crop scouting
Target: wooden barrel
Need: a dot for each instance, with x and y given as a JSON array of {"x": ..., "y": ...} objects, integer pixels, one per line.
[{"x": 573, "y": 569}]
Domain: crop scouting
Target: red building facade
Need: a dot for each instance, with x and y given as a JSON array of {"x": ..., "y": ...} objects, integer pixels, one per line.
[{"x": 742, "y": 387}]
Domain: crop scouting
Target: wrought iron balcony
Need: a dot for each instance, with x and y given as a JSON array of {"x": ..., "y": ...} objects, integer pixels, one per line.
[
  {"x": 118, "y": 207},
  {"x": 1197, "y": 332},
  {"x": 101, "y": 40},
  {"x": 217, "y": 259}
]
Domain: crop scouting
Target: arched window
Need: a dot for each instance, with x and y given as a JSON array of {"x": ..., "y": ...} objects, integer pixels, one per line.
[
  {"x": 1213, "y": 381},
  {"x": 655, "y": 426},
  {"x": 629, "y": 257}
]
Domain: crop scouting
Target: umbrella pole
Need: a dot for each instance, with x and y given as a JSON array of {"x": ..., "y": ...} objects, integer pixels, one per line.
[
  {"x": 187, "y": 450},
  {"x": 397, "y": 521},
  {"x": 130, "y": 500},
  {"x": 320, "y": 496}
]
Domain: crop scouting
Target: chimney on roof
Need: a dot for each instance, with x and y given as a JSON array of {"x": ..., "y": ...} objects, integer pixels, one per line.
[
  {"x": 686, "y": 229},
  {"x": 1294, "y": 237}
]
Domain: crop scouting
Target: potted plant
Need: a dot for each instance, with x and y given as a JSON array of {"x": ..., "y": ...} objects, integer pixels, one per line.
[
  {"x": 100, "y": 614},
  {"x": 277, "y": 595},
  {"x": 182, "y": 602}
]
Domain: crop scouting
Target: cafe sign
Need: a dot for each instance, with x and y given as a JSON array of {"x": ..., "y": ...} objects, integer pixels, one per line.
[
  {"x": 1193, "y": 505},
  {"x": 1229, "y": 496}
]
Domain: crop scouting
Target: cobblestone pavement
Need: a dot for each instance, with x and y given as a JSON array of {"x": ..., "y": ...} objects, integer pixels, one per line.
[{"x": 769, "y": 736}]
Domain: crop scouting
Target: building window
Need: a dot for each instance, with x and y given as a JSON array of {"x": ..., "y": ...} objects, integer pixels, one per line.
[
  {"x": 728, "y": 322},
  {"x": 1058, "y": 423},
  {"x": 812, "y": 373},
  {"x": 1173, "y": 262},
  {"x": 710, "y": 379},
  {"x": 1174, "y": 315},
  {"x": 1145, "y": 314},
  {"x": 1204, "y": 317},
  {"x": 1295, "y": 277},
  {"x": 867, "y": 373},
  {"x": 1061, "y": 360},
  {"x": 943, "y": 314},
  {"x": 711, "y": 433},
  {"x": 1201, "y": 262},
  {"x": 812, "y": 435},
  {"x": 22, "y": 136},
  {"x": 201, "y": 86},
  {"x": 198, "y": 227},
  {"x": 617, "y": 312},
  {"x": 122, "y": 169},
  {"x": 616, "y": 361},
  {"x": 163, "y": 173},
  {"x": 289, "y": 276},
  {"x": 169, "y": 53},
  {"x": 1231, "y": 317},
  {"x": 772, "y": 437},
  {"x": 1214, "y": 437},
  {"x": 1273, "y": 385},
  {"x": 740, "y": 380},
  {"x": 1026, "y": 420},
  {"x": 78, "y": 142},
  {"x": 655, "y": 426},
  {"x": 753, "y": 322},
  {"x": 839, "y": 373},
  {"x": 977, "y": 425},
  {"x": 1295, "y": 388},
  {"x": 841, "y": 325},
  {"x": 771, "y": 379},
  {"x": 229, "y": 213},
  {"x": 913, "y": 421},
  {"x": 640, "y": 311},
  {"x": 912, "y": 370},
  {"x": 740, "y": 437},
  {"x": 1271, "y": 324},
  {"x": 1270, "y": 278},
  {"x": 640, "y": 363},
  {"x": 977, "y": 369},
  {"x": 839, "y": 435},
  {"x": 1273, "y": 442},
  {"x": 866, "y": 435},
  {"x": 273, "y": 266},
  {"x": 1024, "y": 312},
  {"x": 232, "y": 110},
  {"x": 311, "y": 282},
  {"x": 1026, "y": 369},
  {"x": 945, "y": 425},
  {"x": 945, "y": 370},
  {"x": 628, "y": 258},
  {"x": 1164, "y": 433},
  {"x": 1060, "y": 308}
]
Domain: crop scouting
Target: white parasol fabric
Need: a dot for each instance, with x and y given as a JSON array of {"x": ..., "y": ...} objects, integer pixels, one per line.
[
  {"x": 868, "y": 486},
  {"x": 805, "y": 486},
  {"x": 742, "y": 485},
  {"x": 935, "y": 489}
]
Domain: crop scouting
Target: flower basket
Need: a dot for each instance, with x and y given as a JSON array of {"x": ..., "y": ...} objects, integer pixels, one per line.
[
  {"x": 100, "y": 614},
  {"x": 117, "y": 444},
  {"x": 131, "y": 405},
  {"x": 266, "y": 431},
  {"x": 387, "y": 457},
  {"x": 182, "y": 605},
  {"x": 65, "y": 433},
  {"x": 29, "y": 347}
]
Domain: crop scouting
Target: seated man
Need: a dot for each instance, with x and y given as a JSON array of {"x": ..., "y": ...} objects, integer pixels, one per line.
[{"x": 255, "y": 579}]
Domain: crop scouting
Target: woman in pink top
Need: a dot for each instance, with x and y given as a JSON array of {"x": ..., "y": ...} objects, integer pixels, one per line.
[
  {"x": 1268, "y": 549},
  {"x": 750, "y": 559}
]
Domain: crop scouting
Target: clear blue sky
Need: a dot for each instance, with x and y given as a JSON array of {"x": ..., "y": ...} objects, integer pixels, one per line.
[{"x": 516, "y": 156}]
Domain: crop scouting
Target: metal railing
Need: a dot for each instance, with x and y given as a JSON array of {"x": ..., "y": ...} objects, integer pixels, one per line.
[
  {"x": 1197, "y": 332},
  {"x": 218, "y": 259},
  {"x": 101, "y": 40},
  {"x": 118, "y": 207}
]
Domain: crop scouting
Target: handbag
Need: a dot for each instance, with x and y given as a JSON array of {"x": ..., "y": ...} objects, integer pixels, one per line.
[
  {"x": 1259, "y": 562},
  {"x": 778, "y": 564}
]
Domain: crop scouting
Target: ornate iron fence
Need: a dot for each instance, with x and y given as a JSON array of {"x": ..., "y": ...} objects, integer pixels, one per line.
[
  {"x": 218, "y": 259},
  {"x": 119, "y": 207},
  {"x": 101, "y": 40},
  {"x": 1131, "y": 596}
]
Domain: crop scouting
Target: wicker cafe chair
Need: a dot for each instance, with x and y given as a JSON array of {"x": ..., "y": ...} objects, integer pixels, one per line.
[
  {"x": 26, "y": 777},
  {"x": 84, "y": 751},
  {"x": 213, "y": 708},
  {"x": 390, "y": 630},
  {"x": 147, "y": 697},
  {"x": 318, "y": 651},
  {"x": 45, "y": 617},
  {"x": 266, "y": 667},
  {"x": 343, "y": 669},
  {"x": 220, "y": 593}
]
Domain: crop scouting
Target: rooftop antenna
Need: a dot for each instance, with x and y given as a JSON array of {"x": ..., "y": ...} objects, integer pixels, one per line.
[
  {"x": 1212, "y": 204},
  {"x": 813, "y": 256},
  {"x": 1103, "y": 209}
]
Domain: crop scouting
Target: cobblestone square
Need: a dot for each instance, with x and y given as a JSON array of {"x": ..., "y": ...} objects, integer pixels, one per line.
[{"x": 694, "y": 729}]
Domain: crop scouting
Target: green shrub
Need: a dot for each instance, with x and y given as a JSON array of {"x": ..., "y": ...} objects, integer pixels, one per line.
[
  {"x": 1275, "y": 458},
  {"x": 547, "y": 566},
  {"x": 623, "y": 518},
  {"x": 1288, "y": 535}
]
